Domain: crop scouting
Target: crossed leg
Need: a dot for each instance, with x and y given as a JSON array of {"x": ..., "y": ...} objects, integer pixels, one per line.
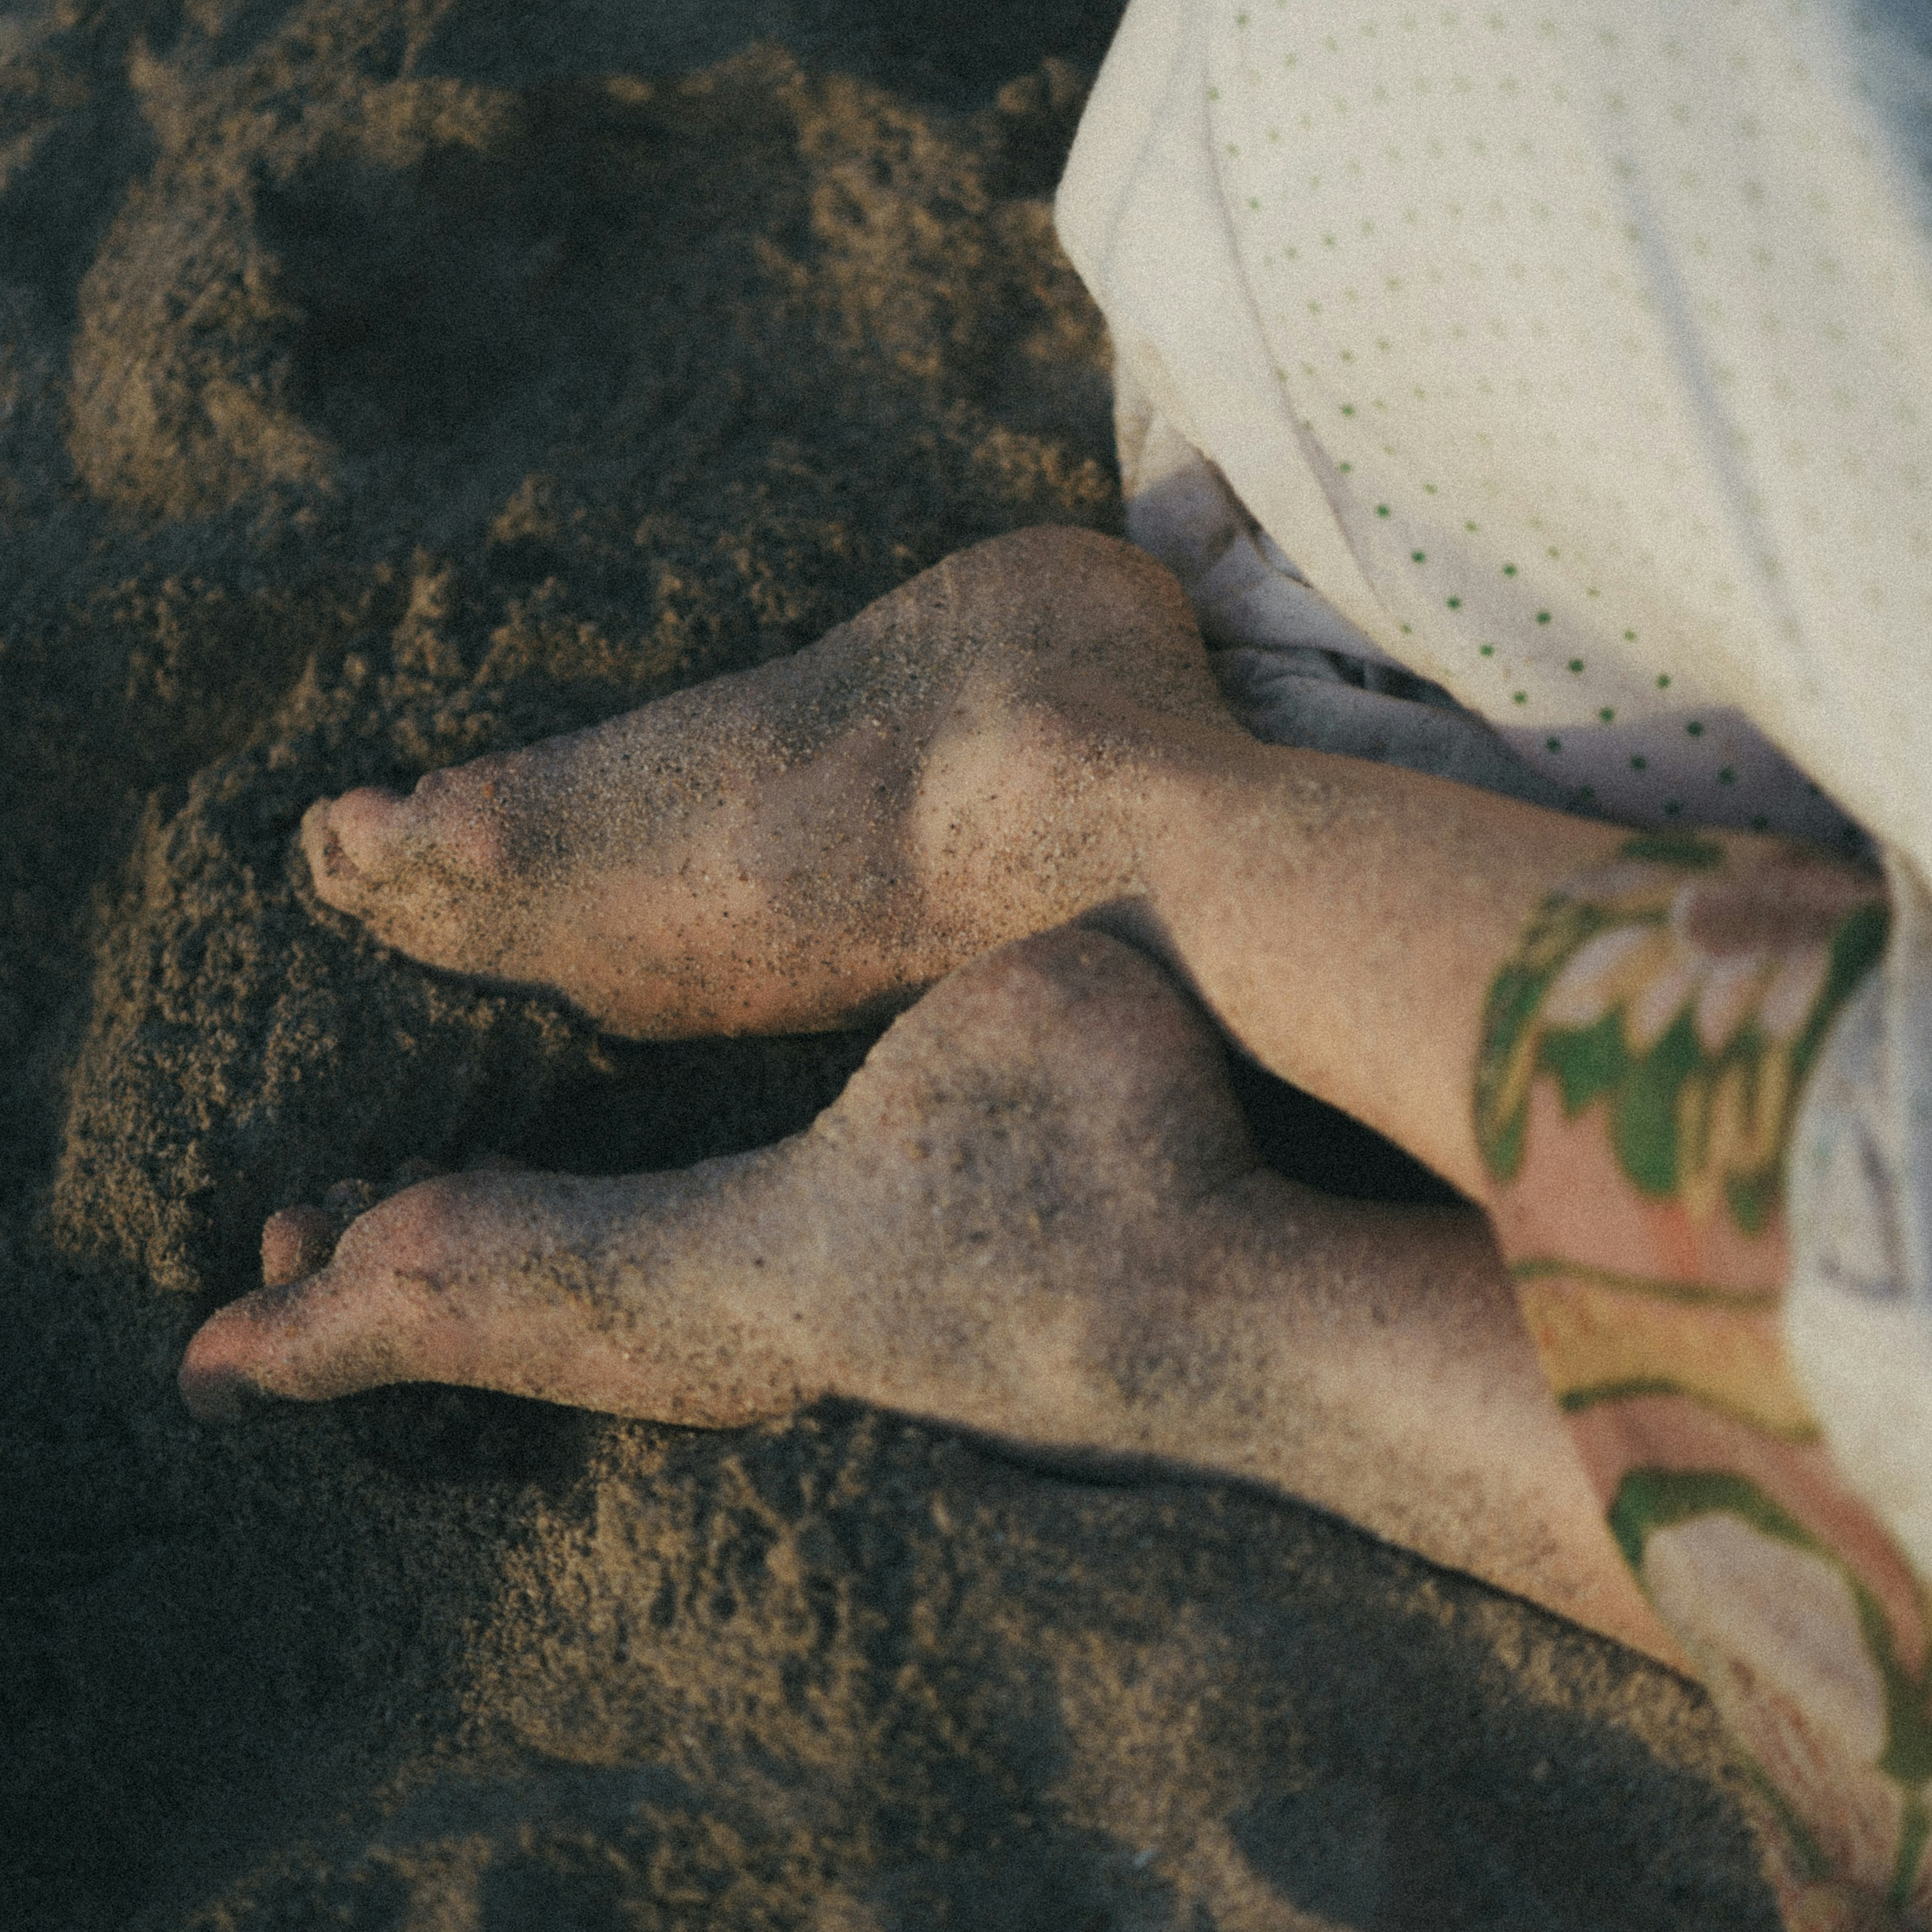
[
  {"x": 1036, "y": 1211},
  {"x": 1027, "y": 734}
]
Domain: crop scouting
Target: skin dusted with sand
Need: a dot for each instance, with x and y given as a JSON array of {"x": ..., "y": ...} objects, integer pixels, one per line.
[
  {"x": 1027, "y": 734},
  {"x": 1036, "y": 1210},
  {"x": 792, "y": 847}
]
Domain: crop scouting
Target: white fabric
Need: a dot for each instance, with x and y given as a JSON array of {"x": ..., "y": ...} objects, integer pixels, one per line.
[
  {"x": 1576, "y": 359},
  {"x": 1615, "y": 312}
]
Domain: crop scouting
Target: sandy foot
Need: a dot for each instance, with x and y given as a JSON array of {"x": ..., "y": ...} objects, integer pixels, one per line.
[
  {"x": 1023, "y": 1163},
  {"x": 1036, "y": 1211},
  {"x": 785, "y": 848}
]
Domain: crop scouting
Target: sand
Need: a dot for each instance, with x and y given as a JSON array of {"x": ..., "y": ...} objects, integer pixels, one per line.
[{"x": 383, "y": 380}]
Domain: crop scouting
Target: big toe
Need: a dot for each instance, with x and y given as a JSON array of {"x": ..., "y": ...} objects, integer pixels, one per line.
[
  {"x": 222, "y": 1373},
  {"x": 324, "y": 1335},
  {"x": 232, "y": 1360},
  {"x": 360, "y": 1291},
  {"x": 347, "y": 841}
]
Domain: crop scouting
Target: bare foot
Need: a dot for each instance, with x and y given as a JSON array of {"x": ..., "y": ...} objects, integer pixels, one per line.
[
  {"x": 1036, "y": 1211},
  {"x": 788, "y": 847},
  {"x": 933, "y": 1231}
]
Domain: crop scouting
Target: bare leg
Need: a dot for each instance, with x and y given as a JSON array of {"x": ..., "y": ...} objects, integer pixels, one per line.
[
  {"x": 1027, "y": 732},
  {"x": 1035, "y": 1211},
  {"x": 1045, "y": 1254}
]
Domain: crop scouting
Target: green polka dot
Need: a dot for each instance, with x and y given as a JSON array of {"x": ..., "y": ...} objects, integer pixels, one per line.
[
  {"x": 1429, "y": 489},
  {"x": 1576, "y": 666},
  {"x": 1521, "y": 697},
  {"x": 1345, "y": 467},
  {"x": 1543, "y": 617},
  {"x": 1418, "y": 556},
  {"x": 1554, "y": 551},
  {"x": 1240, "y": 19},
  {"x": 1509, "y": 570},
  {"x": 1760, "y": 823},
  {"x": 1381, "y": 509},
  {"x": 1213, "y": 94},
  {"x": 1406, "y": 630},
  {"x": 1695, "y": 728},
  {"x": 1471, "y": 526},
  {"x": 1672, "y": 807},
  {"x": 1664, "y": 680},
  {"x": 1640, "y": 764},
  {"x": 1630, "y": 637},
  {"x": 1727, "y": 776},
  {"x": 1252, "y": 203},
  {"x": 1607, "y": 714},
  {"x": 1454, "y": 603},
  {"x": 1487, "y": 650},
  {"x": 1233, "y": 147},
  {"x": 1553, "y": 744}
]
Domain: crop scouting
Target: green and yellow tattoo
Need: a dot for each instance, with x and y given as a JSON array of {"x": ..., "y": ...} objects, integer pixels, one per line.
[
  {"x": 1643, "y": 1058},
  {"x": 1689, "y": 998}
]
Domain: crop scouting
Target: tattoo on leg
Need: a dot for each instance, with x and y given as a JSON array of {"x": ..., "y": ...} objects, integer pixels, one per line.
[
  {"x": 1643, "y": 1054},
  {"x": 1691, "y": 998}
]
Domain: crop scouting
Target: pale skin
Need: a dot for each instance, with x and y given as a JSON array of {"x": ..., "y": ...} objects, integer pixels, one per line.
[{"x": 1006, "y": 801}]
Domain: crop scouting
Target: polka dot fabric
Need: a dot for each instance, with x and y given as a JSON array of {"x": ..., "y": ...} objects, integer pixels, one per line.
[{"x": 1599, "y": 338}]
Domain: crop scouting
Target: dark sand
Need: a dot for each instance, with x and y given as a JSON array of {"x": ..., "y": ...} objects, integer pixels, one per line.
[{"x": 381, "y": 380}]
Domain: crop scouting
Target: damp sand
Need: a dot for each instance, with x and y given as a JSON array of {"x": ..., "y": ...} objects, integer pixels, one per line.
[{"x": 384, "y": 381}]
